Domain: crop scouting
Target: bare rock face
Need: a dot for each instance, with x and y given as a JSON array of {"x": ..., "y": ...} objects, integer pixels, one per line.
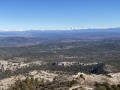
[{"x": 115, "y": 78}]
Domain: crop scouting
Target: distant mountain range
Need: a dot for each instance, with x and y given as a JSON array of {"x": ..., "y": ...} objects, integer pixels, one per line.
[
  {"x": 72, "y": 31},
  {"x": 33, "y": 37}
]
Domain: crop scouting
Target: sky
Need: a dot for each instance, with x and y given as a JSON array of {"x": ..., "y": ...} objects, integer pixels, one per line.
[{"x": 58, "y": 14}]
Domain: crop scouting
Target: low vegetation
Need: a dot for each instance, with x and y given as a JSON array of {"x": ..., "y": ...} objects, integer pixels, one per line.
[{"x": 106, "y": 86}]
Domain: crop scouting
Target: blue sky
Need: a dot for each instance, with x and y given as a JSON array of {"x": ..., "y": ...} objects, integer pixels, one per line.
[{"x": 58, "y": 14}]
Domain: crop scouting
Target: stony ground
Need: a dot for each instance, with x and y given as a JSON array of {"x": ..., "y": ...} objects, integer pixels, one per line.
[
  {"x": 86, "y": 81},
  {"x": 5, "y": 83}
]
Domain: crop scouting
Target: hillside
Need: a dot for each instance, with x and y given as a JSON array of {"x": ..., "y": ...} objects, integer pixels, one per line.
[
  {"x": 55, "y": 81},
  {"x": 94, "y": 54}
]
